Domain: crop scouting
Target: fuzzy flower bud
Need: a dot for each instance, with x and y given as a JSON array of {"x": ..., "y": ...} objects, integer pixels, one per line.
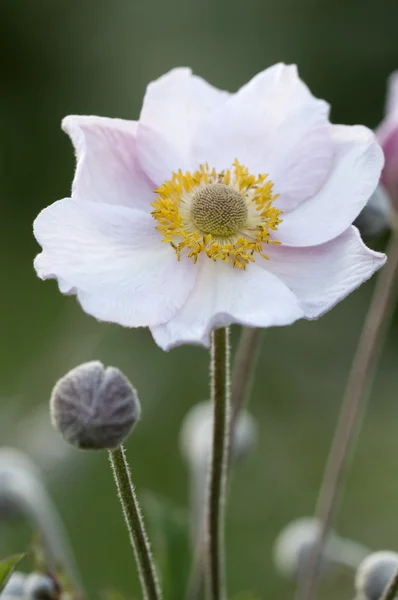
[
  {"x": 297, "y": 540},
  {"x": 94, "y": 407},
  {"x": 15, "y": 586},
  {"x": 387, "y": 135},
  {"x": 374, "y": 573},
  {"x": 196, "y": 435},
  {"x": 41, "y": 587}
]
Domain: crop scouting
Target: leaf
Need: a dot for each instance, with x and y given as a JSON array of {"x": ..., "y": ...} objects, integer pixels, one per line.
[
  {"x": 169, "y": 528},
  {"x": 7, "y": 566}
]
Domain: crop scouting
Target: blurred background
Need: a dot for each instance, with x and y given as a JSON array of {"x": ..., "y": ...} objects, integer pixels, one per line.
[{"x": 95, "y": 57}]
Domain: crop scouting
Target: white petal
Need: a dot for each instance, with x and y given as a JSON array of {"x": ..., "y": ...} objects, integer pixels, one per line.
[
  {"x": 158, "y": 156},
  {"x": 357, "y": 165},
  {"x": 175, "y": 103},
  {"x": 115, "y": 261},
  {"x": 323, "y": 275},
  {"x": 272, "y": 125},
  {"x": 222, "y": 296},
  {"x": 107, "y": 168}
]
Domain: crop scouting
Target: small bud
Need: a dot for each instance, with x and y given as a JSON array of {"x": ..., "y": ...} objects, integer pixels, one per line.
[
  {"x": 293, "y": 546},
  {"x": 297, "y": 541},
  {"x": 196, "y": 435},
  {"x": 94, "y": 407},
  {"x": 41, "y": 587},
  {"x": 376, "y": 216},
  {"x": 15, "y": 586},
  {"x": 374, "y": 574}
]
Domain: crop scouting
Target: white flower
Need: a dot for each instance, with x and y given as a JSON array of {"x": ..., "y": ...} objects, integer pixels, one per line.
[{"x": 173, "y": 223}]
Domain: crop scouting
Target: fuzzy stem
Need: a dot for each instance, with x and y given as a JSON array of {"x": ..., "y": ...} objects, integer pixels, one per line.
[
  {"x": 392, "y": 588},
  {"x": 135, "y": 525},
  {"x": 219, "y": 375},
  {"x": 353, "y": 405}
]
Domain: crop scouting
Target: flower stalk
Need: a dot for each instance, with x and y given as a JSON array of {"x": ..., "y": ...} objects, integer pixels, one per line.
[
  {"x": 218, "y": 468},
  {"x": 135, "y": 525},
  {"x": 352, "y": 409}
]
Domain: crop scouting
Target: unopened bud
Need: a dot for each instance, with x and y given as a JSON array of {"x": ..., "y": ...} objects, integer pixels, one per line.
[
  {"x": 15, "y": 586},
  {"x": 376, "y": 217},
  {"x": 374, "y": 574},
  {"x": 297, "y": 541},
  {"x": 94, "y": 407},
  {"x": 41, "y": 587},
  {"x": 196, "y": 435}
]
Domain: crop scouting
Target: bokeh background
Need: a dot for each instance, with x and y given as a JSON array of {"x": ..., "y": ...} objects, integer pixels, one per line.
[{"x": 95, "y": 57}]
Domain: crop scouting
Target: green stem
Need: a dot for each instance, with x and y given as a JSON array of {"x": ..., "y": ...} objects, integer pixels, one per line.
[
  {"x": 218, "y": 468},
  {"x": 392, "y": 588},
  {"x": 135, "y": 525},
  {"x": 353, "y": 405}
]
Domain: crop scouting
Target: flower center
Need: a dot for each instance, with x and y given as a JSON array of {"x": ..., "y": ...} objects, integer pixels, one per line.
[
  {"x": 226, "y": 216},
  {"x": 219, "y": 210}
]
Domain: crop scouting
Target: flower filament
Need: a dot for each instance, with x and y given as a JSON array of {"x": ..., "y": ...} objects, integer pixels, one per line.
[{"x": 227, "y": 216}]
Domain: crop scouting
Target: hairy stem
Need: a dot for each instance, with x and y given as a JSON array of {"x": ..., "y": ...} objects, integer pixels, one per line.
[
  {"x": 354, "y": 400},
  {"x": 218, "y": 468},
  {"x": 135, "y": 525}
]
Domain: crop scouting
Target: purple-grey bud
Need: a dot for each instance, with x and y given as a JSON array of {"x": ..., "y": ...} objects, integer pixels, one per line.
[
  {"x": 94, "y": 407},
  {"x": 15, "y": 586},
  {"x": 374, "y": 574},
  {"x": 41, "y": 587}
]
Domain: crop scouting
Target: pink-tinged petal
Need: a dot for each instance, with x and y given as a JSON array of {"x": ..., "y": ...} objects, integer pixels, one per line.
[
  {"x": 392, "y": 95},
  {"x": 357, "y": 165},
  {"x": 272, "y": 125},
  {"x": 112, "y": 257},
  {"x": 222, "y": 296},
  {"x": 107, "y": 167},
  {"x": 175, "y": 103},
  {"x": 389, "y": 176},
  {"x": 323, "y": 275},
  {"x": 387, "y": 135}
]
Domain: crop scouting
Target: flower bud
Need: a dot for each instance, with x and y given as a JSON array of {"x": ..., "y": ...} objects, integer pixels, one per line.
[
  {"x": 376, "y": 216},
  {"x": 196, "y": 435},
  {"x": 374, "y": 574},
  {"x": 94, "y": 407},
  {"x": 297, "y": 541},
  {"x": 294, "y": 545},
  {"x": 41, "y": 587},
  {"x": 15, "y": 586},
  {"x": 387, "y": 135}
]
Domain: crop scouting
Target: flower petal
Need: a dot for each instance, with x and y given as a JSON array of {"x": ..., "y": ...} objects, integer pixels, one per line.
[
  {"x": 323, "y": 275},
  {"x": 158, "y": 156},
  {"x": 392, "y": 96},
  {"x": 175, "y": 103},
  {"x": 222, "y": 296},
  {"x": 358, "y": 162},
  {"x": 107, "y": 168},
  {"x": 113, "y": 259},
  {"x": 272, "y": 125}
]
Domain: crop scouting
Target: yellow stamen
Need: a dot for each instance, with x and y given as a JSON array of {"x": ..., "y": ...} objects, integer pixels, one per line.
[{"x": 228, "y": 215}]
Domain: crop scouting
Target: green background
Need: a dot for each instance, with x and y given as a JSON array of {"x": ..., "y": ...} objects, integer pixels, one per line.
[{"x": 96, "y": 57}]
